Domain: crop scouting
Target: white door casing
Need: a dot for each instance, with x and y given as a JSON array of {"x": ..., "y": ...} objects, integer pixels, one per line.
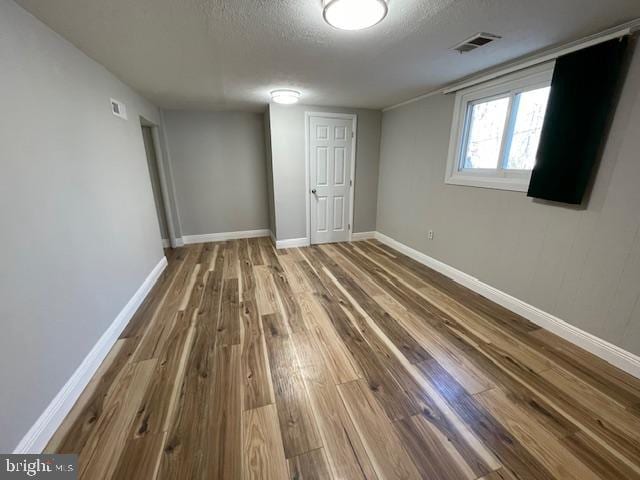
[{"x": 330, "y": 153}]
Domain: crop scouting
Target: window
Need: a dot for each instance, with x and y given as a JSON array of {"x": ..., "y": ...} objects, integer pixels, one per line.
[{"x": 496, "y": 130}]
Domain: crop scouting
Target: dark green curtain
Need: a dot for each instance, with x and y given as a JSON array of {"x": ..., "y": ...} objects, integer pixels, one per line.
[{"x": 583, "y": 92}]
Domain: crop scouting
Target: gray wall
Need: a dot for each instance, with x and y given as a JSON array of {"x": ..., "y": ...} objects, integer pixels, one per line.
[
  {"x": 580, "y": 265},
  {"x": 287, "y": 144},
  {"x": 79, "y": 228},
  {"x": 219, "y": 170}
]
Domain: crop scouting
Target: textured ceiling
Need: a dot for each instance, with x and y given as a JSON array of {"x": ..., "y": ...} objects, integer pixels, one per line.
[{"x": 228, "y": 54}]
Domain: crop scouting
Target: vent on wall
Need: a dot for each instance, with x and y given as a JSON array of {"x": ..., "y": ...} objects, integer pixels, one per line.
[
  {"x": 118, "y": 109},
  {"x": 477, "y": 41}
]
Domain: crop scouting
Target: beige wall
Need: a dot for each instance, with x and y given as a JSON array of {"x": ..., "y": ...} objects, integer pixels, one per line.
[{"x": 581, "y": 265}]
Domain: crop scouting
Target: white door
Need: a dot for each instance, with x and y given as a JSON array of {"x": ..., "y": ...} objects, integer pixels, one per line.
[{"x": 330, "y": 141}]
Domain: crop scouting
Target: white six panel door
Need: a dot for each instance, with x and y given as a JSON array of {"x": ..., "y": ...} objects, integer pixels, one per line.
[{"x": 330, "y": 141}]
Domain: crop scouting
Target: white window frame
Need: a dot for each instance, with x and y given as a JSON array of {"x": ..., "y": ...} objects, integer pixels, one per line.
[{"x": 507, "y": 86}]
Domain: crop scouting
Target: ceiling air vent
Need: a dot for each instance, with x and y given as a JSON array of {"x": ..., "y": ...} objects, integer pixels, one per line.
[{"x": 477, "y": 41}]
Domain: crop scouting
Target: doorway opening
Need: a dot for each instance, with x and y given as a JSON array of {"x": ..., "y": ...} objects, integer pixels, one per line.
[{"x": 150, "y": 139}]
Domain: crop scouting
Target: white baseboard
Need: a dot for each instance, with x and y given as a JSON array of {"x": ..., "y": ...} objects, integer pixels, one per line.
[
  {"x": 179, "y": 242},
  {"x": 607, "y": 351},
  {"x": 292, "y": 243},
  {"x": 219, "y": 237},
  {"x": 166, "y": 243},
  {"x": 357, "y": 236},
  {"x": 40, "y": 433}
]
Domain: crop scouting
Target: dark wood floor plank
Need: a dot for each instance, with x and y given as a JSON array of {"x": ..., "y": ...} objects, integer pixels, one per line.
[
  {"x": 505, "y": 446},
  {"x": 140, "y": 320},
  {"x": 432, "y": 452},
  {"x": 542, "y": 445},
  {"x": 597, "y": 458},
  {"x": 392, "y": 329},
  {"x": 389, "y": 457},
  {"x": 344, "y": 449},
  {"x": 158, "y": 329},
  {"x": 340, "y": 364},
  {"x": 229, "y": 323},
  {"x": 452, "y": 358},
  {"x": 439, "y": 308},
  {"x": 409, "y": 300},
  {"x": 185, "y": 448},
  {"x": 247, "y": 279},
  {"x": 396, "y": 403},
  {"x": 604, "y": 432},
  {"x": 595, "y": 401},
  {"x": 140, "y": 458},
  {"x": 439, "y": 419},
  {"x": 536, "y": 405},
  {"x": 502, "y": 474},
  {"x": 288, "y": 301},
  {"x": 618, "y": 385},
  {"x": 100, "y": 455},
  {"x": 519, "y": 329},
  {"x": 309, "y": 466},
  {"x": 256, "y": 255},
  {"x": 463, "y": 294},
  {"x": 231, "y": 265},
  {"x": 297, "y": 424},
  {"x": 343, "y": 361},
  {"x": 255, "y": 369},
  {"x": 223, "y": 432},
  {"x": 90, "y": 407},
  {"x": 153, "y": 415}
]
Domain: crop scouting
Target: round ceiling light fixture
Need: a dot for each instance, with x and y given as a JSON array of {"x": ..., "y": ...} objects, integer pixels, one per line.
[
  {"x": 285, "y": 96},
  {"x": 354, "y": 14}
]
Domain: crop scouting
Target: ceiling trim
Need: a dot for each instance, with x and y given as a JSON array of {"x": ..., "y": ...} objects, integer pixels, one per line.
[{"x": 527, "y": 61}]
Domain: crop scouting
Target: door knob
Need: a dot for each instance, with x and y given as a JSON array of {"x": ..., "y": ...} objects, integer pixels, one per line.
[{"x": 313, "y": 191}]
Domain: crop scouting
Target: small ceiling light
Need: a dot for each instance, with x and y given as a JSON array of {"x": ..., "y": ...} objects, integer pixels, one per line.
[
  {"x": 354, "y": 14},
  {"x": 285, "y": 97}
]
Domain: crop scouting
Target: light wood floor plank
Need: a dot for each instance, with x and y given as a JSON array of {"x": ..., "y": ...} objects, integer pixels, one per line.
[
  {"x": 297, "y": 424},
  {"x": 309, "y": 466},
  {"x": 223, "y": 432},
  {"x": 99, "y": 457},
  {"x": 344, "y": 449},
  {"x": 345, "y": 361},
  {"x": 389, "y": 458},
  {"x": 541, "y": 444},
  {"x": 263, "y": 453}
]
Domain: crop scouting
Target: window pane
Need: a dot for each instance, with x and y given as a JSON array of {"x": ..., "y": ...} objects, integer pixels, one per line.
[
  {"x": 532, "y": 106},
  {"x": 485, "y": 134}
]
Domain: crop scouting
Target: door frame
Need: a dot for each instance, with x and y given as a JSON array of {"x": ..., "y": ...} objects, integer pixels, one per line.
[
  {"x": 167, "y": 197},
  {"x": 307, "y": 161}
]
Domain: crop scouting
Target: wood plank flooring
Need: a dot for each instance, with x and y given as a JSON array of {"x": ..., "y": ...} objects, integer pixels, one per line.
[{"x": 343, "y": 361}]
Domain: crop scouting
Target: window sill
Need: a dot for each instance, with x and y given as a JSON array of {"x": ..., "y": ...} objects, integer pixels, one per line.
[{"x": 512, "y": 184}]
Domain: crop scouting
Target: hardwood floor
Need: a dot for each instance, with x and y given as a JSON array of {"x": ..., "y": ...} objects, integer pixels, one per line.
[{"x": 345, "y": 361}]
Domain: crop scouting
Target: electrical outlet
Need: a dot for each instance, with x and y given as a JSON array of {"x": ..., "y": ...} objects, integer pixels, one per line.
[{"x": 430, "y": 235}]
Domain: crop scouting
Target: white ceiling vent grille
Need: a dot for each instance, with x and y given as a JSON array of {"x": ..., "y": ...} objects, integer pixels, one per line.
[
  {"x": 477, "y": 41},
  {"x": 118, "y": 109}
]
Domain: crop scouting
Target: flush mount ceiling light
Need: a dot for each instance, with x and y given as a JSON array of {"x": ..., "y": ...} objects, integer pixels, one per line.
[
  {"x": 285, "y": 97},
  {"x": 354, "y": 14}
]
